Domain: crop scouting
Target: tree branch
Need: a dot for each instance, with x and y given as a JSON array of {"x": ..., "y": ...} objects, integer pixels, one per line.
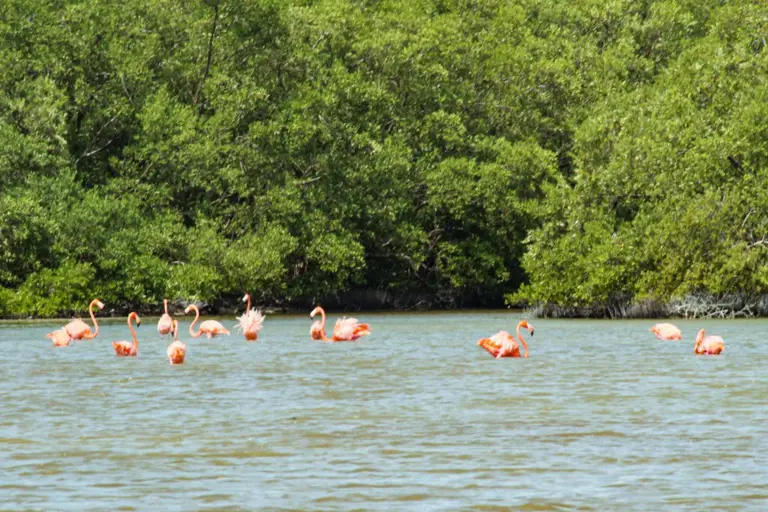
[{"x": 210, "y": 55}]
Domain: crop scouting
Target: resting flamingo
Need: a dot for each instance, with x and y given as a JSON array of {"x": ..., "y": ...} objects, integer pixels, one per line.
[
  {"x": 78, "y": 330},
  {"x": 211, "y": 328},
  {"x": 667, "y": 332},
  {"x": 346, "y": 329},
  {"x": 251, "y": 322},
  {"x": 177, "y": 350},
  {"x": 708, "y": 345},
  {"x": 59, "y": 337},
  {"x": 503, "y": 344},
  {"x": 165, "y": 324},
  {"x": 127, "y": 348}
]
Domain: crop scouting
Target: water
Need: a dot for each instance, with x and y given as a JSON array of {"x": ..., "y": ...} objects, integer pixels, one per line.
[{"x": 602, "y": 416}]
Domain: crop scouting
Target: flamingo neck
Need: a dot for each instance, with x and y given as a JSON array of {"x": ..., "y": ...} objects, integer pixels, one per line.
[
  {"x": 95, "y": 323},
  {"x": 197, "y": 316},
  {"x": 133, "y": 331},
  {"x": 322, "y": 324},
  {"x": 520, "y": 337},
  {"x": 248, "y": 306},
  {"x": 699, "y": 340},
  {"x": 165, "y": 305}
]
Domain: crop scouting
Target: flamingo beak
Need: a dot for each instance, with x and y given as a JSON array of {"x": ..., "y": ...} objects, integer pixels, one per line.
[
  {"x": 99, "y": 304},
  {"x": 245, "y": 299}
]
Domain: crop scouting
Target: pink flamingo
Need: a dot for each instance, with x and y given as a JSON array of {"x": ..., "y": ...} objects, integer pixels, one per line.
[
  {"x": 503, "y": 344},
  {"x": 77, "y": 329},
  {"x": 127, "y": 348},
  {"x": 251, "y": 322},
  {"x": 346, "y": 329},
  {"x": 59, "y": 337},
  {"x": 177, "y": 350},
  {"x": 667, "y": 332},
  {"x": 709, "y": 345},
  {"x": 211, "y": 328},
  {"x": 165, "y": 324}
]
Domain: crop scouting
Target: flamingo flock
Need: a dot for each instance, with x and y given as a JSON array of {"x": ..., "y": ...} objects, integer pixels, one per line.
[{"x": 500, "y": 345}]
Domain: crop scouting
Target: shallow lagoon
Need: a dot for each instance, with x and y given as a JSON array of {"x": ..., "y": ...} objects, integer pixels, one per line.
[{"x": 415, "y": 417}]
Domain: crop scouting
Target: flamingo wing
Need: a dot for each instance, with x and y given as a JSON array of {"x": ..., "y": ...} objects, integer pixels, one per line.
[
  {"x": 344, "y": 330},
  {"x": 77, "y": 329},
  {"x": 666, "y": 331},
  {"x": 165, "y": 324},
  {"x": 500, "y": 343},
  {"x": 124, "y": 348},
  {"x": 176, "y": 352},
  {"x": 59, "y": 337}
]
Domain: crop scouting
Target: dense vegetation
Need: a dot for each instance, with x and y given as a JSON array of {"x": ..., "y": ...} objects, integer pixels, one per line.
[{"x": 440, "y": 150}]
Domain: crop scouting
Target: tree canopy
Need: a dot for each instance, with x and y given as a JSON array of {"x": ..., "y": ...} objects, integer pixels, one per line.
[{"x": 453, "y": 149}]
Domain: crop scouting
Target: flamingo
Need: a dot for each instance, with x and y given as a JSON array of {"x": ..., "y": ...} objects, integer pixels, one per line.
[
  {"x": 77, "y": 329},
  {"x": 177, "y": 350},
  {"x": 251, "y": 322},
  {"x": 346, "y": 329},
  {"x": 127, "y": 348},
  {"x": 709, "y": 345},
  {"x": 502, "y": 344},
  {"x": 211, "y": 328},
  {"x": 59, "y": 337},
  {"x": 164, "y": 325},
  {"x": 667, "y": 332}
]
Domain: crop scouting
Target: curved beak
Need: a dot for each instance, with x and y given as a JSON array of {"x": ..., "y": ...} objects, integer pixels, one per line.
[{"x": 531, "y": 331}]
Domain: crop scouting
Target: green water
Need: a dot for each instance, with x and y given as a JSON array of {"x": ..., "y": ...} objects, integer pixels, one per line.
[{"x": 602, "y": 416}]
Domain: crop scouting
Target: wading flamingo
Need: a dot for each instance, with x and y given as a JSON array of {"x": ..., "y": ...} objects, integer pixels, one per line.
[
  {"x": 165, "y": 324},
  {"x": 211, "y": 328},
  {"x": 127, "y": 348},
  {"x": 251, "y": 322},
  {"x": 78, "y": 330},
  {"x": 667, "y": 332},
  {"x": 59, "y": 337},
  {"x": 177, "y": 350},
  {"x": 503, "y": 344},
  {"x": 346, "y": 329},
  {"x": 709, "y": 345}
]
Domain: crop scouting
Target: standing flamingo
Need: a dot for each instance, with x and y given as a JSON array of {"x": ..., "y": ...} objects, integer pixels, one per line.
[
  {"x": 165, "y": 324},
  {"x": 127, "y": 348},
  {"x": 211, "y": 328},
  {"x": 709, "y": 345},
  {"x": 177, "y": 350},
  {"x": 502, "y": 344},
  {"x": 251, "y": 322},
  {"x": 667, "y": 332},
  {"x": 59, "y": 337},
  {"x": 77, "y": 329},
  {"x": 346, "y": 329}
]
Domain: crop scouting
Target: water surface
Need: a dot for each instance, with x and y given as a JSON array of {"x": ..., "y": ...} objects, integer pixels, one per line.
[{"x": 602, "y": 416}]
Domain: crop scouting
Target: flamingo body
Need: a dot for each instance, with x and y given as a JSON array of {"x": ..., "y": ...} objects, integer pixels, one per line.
[
  {"x": 503, "y": 344},
  {"x": 251, "y": 322},
  {"x": 59, "y": 337},
  {"x": 177, "y": 350},
  {"x": 128, "y": 348},
  {"x": 78, "y": 330},
  {"x": 212, "y": 328},
  {"x": 165, "y": 324},
  {"x": 349, "y": 329},
  {"x": 317, "y": 331},
  {"x": 667, "y": 332},
  {"x": 708, "y": 345}
]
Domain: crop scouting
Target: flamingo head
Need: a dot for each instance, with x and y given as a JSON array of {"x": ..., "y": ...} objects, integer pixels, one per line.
[
  {"x": 97, "y": 303},
  {"x": 135, "y": 316},
  {"x": 247, "y": 296},
  {"x": 315, "y": 312},
  {"x": 525, "y": 325},
  {"x": 189, "y": 308}
]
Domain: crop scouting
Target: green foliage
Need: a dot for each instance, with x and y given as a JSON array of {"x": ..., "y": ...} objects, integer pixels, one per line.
[{"x": 301, "y": 150}]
